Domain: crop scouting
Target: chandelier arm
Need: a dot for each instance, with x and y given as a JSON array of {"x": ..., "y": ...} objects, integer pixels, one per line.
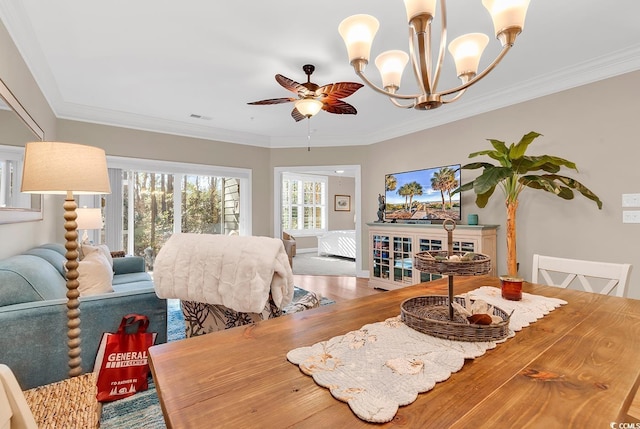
[
  {"x": 485, "y": 72},
  {"x": 403, "y": 106},
  {"x": 382, "y": 91},
  {"x": 455, "y": 98},
  {"x": 424, "y": 59},
  {"x": 414, "y": 60},
  {"x": 443, "y": 43}
]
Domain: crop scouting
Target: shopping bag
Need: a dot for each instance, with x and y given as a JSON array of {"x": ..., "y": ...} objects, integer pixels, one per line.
[{"x": 121, "y": 362}]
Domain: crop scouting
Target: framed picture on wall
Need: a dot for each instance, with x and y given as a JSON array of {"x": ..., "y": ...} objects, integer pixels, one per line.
[{"x": 342, "y": 203}]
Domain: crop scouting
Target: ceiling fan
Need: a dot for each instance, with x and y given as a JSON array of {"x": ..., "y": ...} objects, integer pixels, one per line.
[{"x": 312, "y": 97}]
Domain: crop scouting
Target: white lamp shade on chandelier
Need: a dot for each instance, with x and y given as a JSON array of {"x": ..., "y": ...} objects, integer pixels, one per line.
[
  {"x": 391, "y": 64},
  {"x": 466, "y": 51},
  {"x": 59, "y": 168},
  {"x": 358, "y": 32},
  {"x": 507, "y": 13}
]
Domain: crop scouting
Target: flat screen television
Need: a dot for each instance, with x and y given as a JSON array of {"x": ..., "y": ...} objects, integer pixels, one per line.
[{"x": 425, "y": 194}]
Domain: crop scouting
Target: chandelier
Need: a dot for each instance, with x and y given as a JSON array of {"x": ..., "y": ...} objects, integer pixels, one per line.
[{"x": 358, "y": 32}]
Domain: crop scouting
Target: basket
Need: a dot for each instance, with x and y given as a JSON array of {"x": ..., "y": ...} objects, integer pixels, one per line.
[
  {"x": 436, "y": 262},
  {"x": 430, "y": 315}
]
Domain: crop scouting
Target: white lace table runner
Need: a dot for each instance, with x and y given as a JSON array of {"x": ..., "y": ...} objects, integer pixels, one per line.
[{"x": 385, "y": 365}]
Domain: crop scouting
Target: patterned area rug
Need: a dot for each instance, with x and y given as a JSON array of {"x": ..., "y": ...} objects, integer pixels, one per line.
[{"x": 142, "y": 410}]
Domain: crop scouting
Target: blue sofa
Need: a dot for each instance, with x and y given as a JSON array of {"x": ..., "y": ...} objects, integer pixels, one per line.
[{"x": 33, "y": 312}]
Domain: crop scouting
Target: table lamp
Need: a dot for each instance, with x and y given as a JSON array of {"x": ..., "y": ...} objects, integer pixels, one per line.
[
  {"x": 67, "y": 169},
  {"x": 88, "y": 218}
]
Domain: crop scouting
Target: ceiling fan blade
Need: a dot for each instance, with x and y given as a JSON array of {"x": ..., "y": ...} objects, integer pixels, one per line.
[
  {"x": 289, "y": 84},
  {"x": 273, "y": 101},
  {"x": 339, "y": 89},
  {"x": 333, "y": 105},
  {"x": 295, "y": 114}
]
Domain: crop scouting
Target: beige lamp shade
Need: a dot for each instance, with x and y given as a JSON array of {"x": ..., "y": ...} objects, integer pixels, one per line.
[
  {"x": 89, "y": 218},
  {"x": 60, "y": 168}
]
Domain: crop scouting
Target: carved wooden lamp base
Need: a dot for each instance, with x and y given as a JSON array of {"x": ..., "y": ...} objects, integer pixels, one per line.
[{"x": 73, "y": 303}]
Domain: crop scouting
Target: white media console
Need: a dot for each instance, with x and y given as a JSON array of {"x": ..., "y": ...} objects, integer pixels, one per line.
[{"x": 393, "y": 246}]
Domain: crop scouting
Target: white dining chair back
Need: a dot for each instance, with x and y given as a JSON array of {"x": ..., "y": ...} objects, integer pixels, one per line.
[
  {"x": 14, "y": 410},
  {"x": 562, "y": 272}
]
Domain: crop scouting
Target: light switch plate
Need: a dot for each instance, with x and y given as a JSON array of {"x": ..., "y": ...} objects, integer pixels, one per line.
[
  {"x": 630, "y": 200},
  {"x": 631, "y": 216}
]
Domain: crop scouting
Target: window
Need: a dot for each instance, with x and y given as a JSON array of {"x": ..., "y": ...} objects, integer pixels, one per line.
[
  {"x": 151, "y": 200},
  {"x": 304, "y": 204}
]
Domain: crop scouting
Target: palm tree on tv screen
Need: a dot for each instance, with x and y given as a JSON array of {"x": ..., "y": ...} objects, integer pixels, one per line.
[
  {"x": 416, "y": 189},
  {"x": 391, "y": 182},
  {"x": 410, "y": 190},
  {"x": 404, "y": 192},
  {"x": 444, "y": 180}
]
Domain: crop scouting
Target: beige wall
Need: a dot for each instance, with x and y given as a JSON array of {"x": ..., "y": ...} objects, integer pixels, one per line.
[{"x": 339, "y": 220}]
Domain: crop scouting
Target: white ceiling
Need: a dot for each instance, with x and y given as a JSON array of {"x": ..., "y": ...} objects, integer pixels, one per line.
[{"x": 150, "y": 64}]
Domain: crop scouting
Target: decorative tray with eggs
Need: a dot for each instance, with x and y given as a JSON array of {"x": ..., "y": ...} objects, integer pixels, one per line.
[
  {"x": 456, "y": 264},
  {"x": 471, "y": 321},
  {"x": 454, "y": 318}
]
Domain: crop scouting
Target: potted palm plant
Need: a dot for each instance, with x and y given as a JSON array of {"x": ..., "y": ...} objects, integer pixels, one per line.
[{"x": 513, "y": 173}]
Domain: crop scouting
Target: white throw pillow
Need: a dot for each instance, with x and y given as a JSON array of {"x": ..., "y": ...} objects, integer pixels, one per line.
[
  {"x": 87, "y": 249},
  {"x": 95, "y": 275}
]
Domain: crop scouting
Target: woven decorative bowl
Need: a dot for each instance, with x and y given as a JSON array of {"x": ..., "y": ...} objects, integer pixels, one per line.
[
  {"x": 437, "y": 262},
  {"x": 430, "y": 315}
]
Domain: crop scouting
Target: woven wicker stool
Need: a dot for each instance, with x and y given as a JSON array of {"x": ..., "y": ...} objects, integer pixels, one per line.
[{"x": 69, "y": 403}]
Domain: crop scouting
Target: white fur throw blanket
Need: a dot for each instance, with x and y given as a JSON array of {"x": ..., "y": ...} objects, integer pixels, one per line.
[{"x": 234, "y": 271}]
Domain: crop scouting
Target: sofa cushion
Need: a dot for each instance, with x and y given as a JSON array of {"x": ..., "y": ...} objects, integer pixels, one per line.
[
  {"x": 119, "y": 279},
  {"x": 95, "y": 274},
  {"x": 52, "y": 256},
  {"x": 87, "y": 249},
  {"x": 144, "y": 285},
  {"x": 128, "y": 264},
  {"x": 26, "y": 278}
]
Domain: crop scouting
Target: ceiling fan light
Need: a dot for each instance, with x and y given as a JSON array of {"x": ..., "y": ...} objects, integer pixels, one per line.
[
  {"x": 308, "y": 106},
  {"x": 507, "y": 14},
  {"x": 358, "y": 32},
  {"x": 391, "y": 64},
  {"x": 419, "y": 7},
  {"x": 466, "y": 51}
]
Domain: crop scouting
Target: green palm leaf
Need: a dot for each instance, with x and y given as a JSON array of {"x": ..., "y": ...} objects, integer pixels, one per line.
[
  {"x": 490, "y": 178},
  {"x": 482, "y": 199},
  {"x": 518, "y": 150},
  {"x": 499, "y": 146},
  {"x": 574, "y": 184},
  {"x": 547, "y": 161},
  {"x": 476, "y": 165}
]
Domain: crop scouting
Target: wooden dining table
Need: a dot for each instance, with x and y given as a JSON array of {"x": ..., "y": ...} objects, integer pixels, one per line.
[{"x": 577, "y": 367}]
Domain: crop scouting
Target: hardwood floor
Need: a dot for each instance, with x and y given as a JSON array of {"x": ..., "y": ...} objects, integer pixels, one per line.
[{"x": 337, "y": 288}]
